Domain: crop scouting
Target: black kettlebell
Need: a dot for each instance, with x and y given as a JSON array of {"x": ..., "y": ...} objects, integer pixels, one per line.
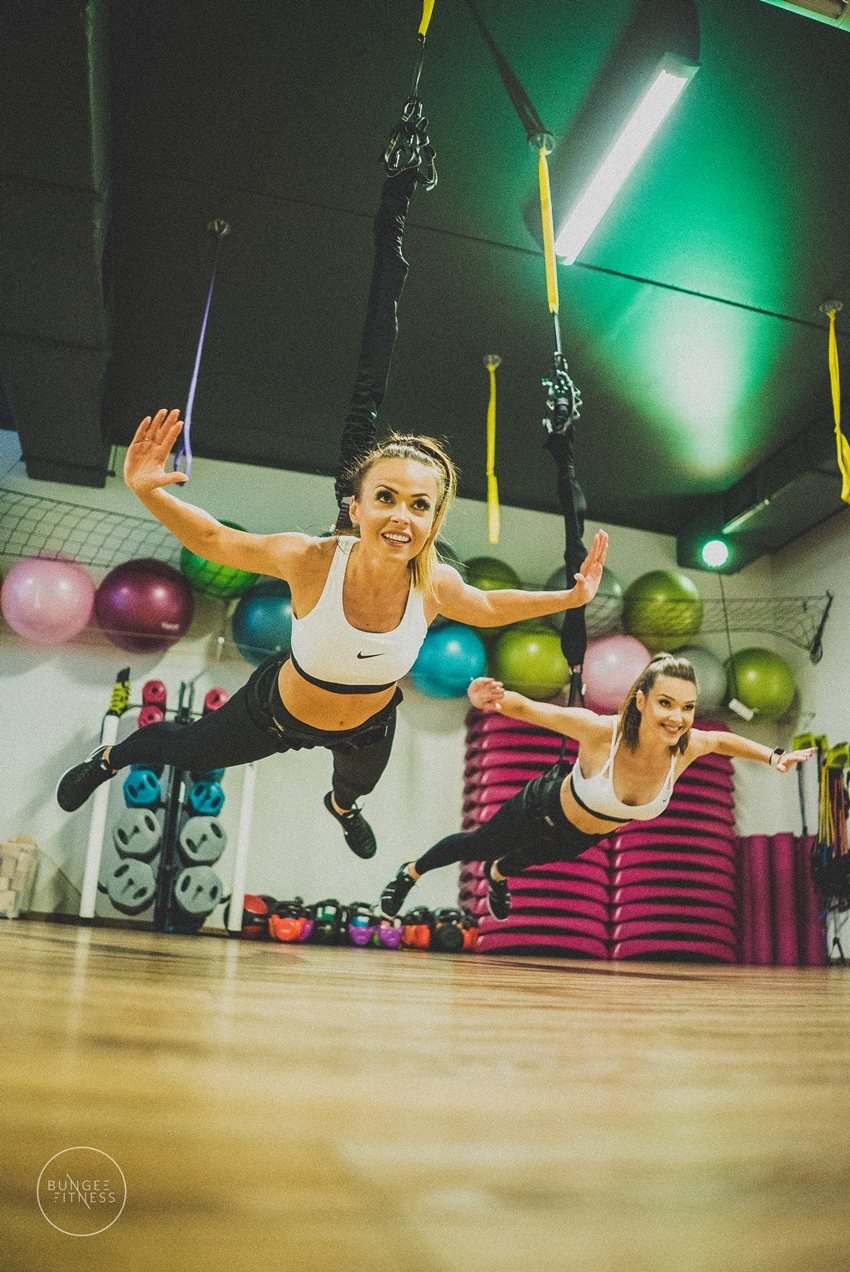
[{"x": 446, "y": 931}]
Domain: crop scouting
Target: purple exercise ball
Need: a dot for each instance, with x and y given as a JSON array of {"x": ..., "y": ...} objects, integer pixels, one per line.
[
  {"x": 144, "y": 606},
  {"x": 47, "y": 601}
]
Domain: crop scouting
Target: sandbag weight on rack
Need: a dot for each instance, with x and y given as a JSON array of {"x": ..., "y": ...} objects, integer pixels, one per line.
[
  {"x": 214, "y": 698},
  {"x": 137, "y": 834},
  {"x": 206, "y": 798},
  {"x": 154, "y": 694},
  {"x": 131, "y": 886},
  {"x": 141, "y": 788},
  {"x": 202, "y": 841},
  {"x": 197, "y": 891}
]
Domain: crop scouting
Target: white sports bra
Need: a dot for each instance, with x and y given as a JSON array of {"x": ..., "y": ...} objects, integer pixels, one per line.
[
  {"x": 327, "y": 651},
  {"x": 596, "y": 794}
]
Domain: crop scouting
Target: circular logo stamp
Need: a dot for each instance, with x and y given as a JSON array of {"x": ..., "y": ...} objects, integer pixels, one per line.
[{"x": 81, "y": 1191}]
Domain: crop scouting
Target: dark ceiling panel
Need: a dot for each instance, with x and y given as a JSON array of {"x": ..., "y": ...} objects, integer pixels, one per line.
[{"x": 273, "y": 116}]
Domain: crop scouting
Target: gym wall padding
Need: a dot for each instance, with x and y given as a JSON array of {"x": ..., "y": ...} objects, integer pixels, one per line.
[{"x": 54, "y": 234}]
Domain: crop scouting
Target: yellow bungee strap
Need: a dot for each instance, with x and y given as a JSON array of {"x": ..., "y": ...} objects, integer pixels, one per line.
[{"x": 491, "y": 362}]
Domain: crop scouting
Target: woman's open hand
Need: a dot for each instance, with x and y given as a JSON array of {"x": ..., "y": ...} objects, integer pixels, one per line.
[
  {"x": 590, "y": 575},
  {"x": 147, "y": 454},
  {"x": 486, "y": 694},
  {"x": 789, "y": 759}
]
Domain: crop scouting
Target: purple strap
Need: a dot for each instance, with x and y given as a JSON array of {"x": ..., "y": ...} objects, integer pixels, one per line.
[{"x": 183, "y": 453}]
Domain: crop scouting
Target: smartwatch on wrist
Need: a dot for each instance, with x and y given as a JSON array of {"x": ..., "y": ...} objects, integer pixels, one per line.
[{"x": 774, "y": 756}]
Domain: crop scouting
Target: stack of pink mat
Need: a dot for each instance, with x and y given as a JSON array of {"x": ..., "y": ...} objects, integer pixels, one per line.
[
  {"x": 562, "y": 908},
  {"x": 781, "y": 919},
  {"x": 674, "y": 881}
]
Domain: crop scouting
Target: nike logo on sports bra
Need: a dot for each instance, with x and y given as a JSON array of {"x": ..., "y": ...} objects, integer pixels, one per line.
[{"x": 378, "y": 655}]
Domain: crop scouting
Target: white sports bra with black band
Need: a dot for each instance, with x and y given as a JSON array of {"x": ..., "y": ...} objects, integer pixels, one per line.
[
  {"x": 328, "y": 652},
  {"x": 596, "y": 794}
]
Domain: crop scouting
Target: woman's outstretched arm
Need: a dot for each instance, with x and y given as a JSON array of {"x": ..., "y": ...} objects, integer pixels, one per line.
[
  {"x": 464, "y": 604},
  {"x": 146, "y": 476},
  {"x": 739, "y": 748},
  {"x": 572, "y": 722}
]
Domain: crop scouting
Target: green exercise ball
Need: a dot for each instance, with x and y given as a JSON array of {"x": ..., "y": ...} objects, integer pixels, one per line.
[
  {"x": 491, "y": 575},
  {"x": 603, "y": 613},
  {"x": 219, "y": 581},
  {"x": 663, "y": 609},
  {"x": 528, "y": 659},
  {"x": 762, "y": 681}
]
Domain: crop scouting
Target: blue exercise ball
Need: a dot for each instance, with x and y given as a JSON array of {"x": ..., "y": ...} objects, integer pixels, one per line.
[
  {"x": 449, "y": 658},
  {"x": 262, "y": 621}
]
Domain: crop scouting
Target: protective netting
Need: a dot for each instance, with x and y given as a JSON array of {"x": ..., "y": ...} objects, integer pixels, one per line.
[
  {"x": 797, "y": 619},
  {"x": 32, "y": 525}
]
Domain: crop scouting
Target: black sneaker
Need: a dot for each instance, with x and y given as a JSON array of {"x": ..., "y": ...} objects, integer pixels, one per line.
[
  {"x": 358, "y": 833},
  {"x": 498, "y": 896},
  {"x": 394, "y": 894},
  {"x": 75, "y": 786}
]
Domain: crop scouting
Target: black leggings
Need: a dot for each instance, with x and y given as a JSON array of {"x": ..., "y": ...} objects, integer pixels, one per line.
[
  {"x": 530, "y": 829},
  {"x": 254, "y": 724}
]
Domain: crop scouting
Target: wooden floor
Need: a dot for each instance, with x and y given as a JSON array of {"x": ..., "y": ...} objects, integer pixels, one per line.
[{"x": 304, "y": 1108}]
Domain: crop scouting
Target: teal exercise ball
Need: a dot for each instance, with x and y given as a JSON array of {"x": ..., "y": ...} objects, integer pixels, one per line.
[
  {"x": 663, "y": 609},
  {"x": 604, "y": 612},
  {"x": 262, "y": 621},
  {"x": 762, "y": 680},
  {"x": 711, "y": 678},
  {"x": 219, "y": 581},
  {"x": 529, "y": 660},
  {"x": 450, "y": 657}
]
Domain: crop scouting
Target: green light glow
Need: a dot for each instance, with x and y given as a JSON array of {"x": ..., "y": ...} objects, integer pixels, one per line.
[{"x": 714, "y": 553}]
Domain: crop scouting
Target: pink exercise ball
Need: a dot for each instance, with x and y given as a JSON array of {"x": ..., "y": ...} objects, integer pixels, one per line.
[
  {"x": 611, "y": 666},
  {"x": 47, "y": 601},
  {"x": 144, "y": 606}
]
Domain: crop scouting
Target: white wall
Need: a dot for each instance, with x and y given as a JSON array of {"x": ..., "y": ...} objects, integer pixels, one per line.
[{"x": 53, "y": 701}]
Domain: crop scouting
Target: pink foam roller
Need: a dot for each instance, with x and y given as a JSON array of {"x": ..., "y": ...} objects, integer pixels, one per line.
[
  {"x": 745, "y": 903},
  {"x": 505, "y": 776},
  {"x": 670, "y": 929},
  {"x": 648, "y": 894},
  {"x": 675, "y": 844},
  {"x": 813, "y": 927},
  {"x": 638, "y": 876},
  {"x": 669, "y": 860},
  {"x": 535, "y": 943},
  {"x": 784, "y": 900},
  {"x": 640, "y": 948},
  {"x": 761, "y": 900}
]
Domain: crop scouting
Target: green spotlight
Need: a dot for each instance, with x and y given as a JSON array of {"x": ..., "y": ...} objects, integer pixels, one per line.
[{"x": 714, "y": 553}]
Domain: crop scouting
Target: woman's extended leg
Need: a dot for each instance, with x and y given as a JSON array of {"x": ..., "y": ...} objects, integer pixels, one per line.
[
  {"x": 231, "y": 735},
  {"x": 358, "y": 765},
  {"x": 490, "y": 843}
]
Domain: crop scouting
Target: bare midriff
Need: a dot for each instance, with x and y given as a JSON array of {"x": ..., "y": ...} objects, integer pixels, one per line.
[{"x": 322, "y": 709}]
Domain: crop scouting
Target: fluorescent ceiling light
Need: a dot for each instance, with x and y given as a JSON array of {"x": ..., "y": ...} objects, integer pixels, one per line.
[
  {"x": 634, "y": 137},
  {"x": 834, "y": 12},
  {"x": 655, "y": 57}
]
